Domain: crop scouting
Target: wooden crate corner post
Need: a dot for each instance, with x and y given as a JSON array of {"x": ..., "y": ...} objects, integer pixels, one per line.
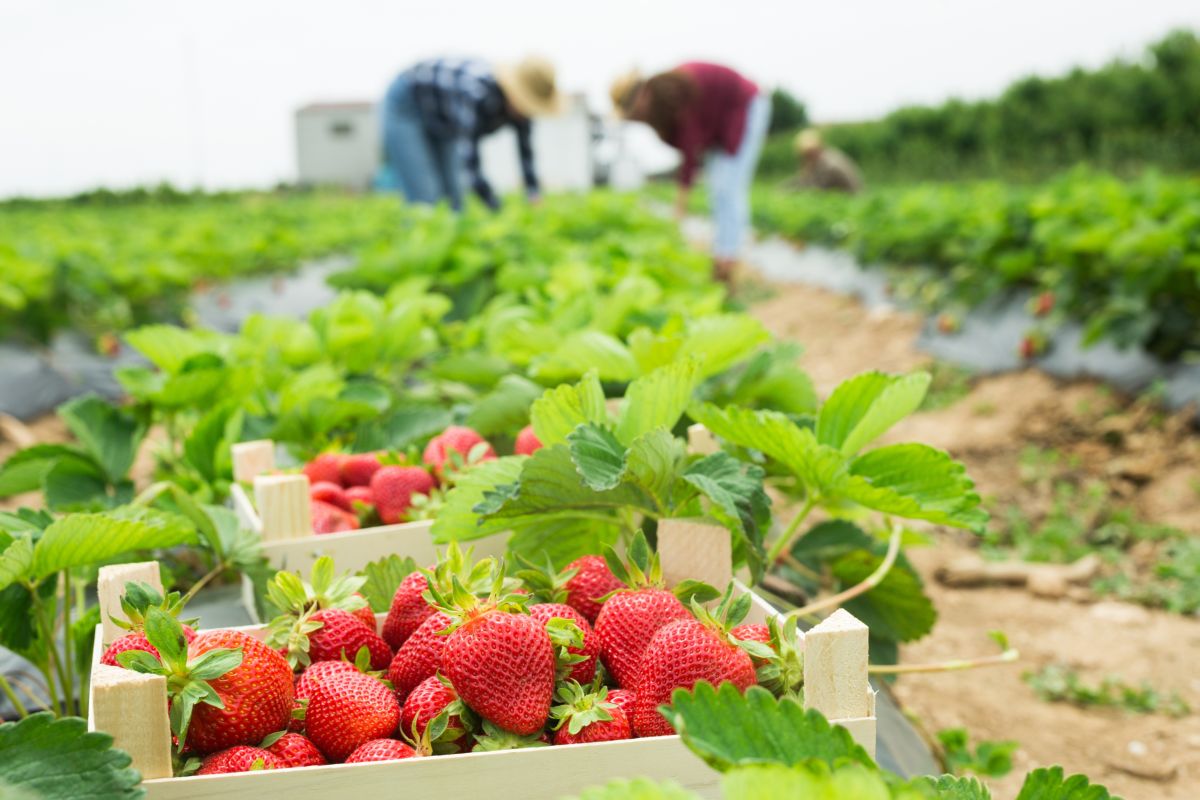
[
  {"x": 110, "y": 586},
  {"x": 695, "y": 549},
  {"x": 835, "y": 675},
  {"x": 283, "y": 507},
  {"x": 251, "y": 459},
  {"x": 701, "y": 440}
]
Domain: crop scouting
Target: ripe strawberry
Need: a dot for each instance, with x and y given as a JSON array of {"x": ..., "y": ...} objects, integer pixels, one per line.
[
  {"x": 623, "y": 699},
  {"x": 460, "y": 440},
  {"x": 627, "y": 623},
  {"x": 430, "y": 698},
  {"x": 330, "y": 493},
  {"x": 136, "y": 602},
  {"x": 1043, "y": 304},
  {"x": 394, "y": 488},
  {"x": 381, "y": 750},
  {"x": 366, "y": 614},
  {"x": 409, "y": 609},
  {"x": 326, "y": 467},
  {"x": 685, "y": 652},
  {"x": 527, "y": 442},
  {"x": 312, "y": 677},
  {"x": 348, "y": 709},
  {"x": 360, "y": 494},
  {"x": 241, "y": 758},
  {"x": 294, "y": 750},
  {"x": 340, "y": 636},
  {"x": 752, "y": 632},
  {"x": 358, "y": 469},
  {"x": 502, "y": 666},
  {"x": 591, "y": 581},
  {"x": 328, "y": 518},
  {"x": 258, "y": 694},
  {"x": 420, "y": 656},
  {"x": 583, "y": 671},
  {"x": 585, "y": 716},
  {"x": 135, "y": 640}
]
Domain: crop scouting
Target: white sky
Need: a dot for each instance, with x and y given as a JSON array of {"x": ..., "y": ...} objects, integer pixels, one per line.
[{"x": 122, "y": 92}]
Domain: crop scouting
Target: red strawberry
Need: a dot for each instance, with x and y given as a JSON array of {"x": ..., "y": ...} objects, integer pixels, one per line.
[
  {"x": 330, "y": 493},
  {"x": 294, "y": 750},
  {"x": 312, "y": 677},
  {"x": 409, "y": 609},
  {"x": 459, "y": 440},
  {"x": 627, "y": 623},
  {"x": 502, "y": 666},
  {"x": 360, "y": 494},
  {"x": 1043, "y": 304},
  {"x": 591, "y": 581},
  {"x": 420, "y": 656},
  {"x": 681, "y": 654},
  {"x": 348, "y": 709},
  {"x": 258, "y": 694},
  {"x": 585, "y": 716},
  {"x": 623, "y": 699},
  {"x": 367, "y": 615},
  {"x": 135, "y": 640},
  {"x": 430, "y": 698},
  {"x": 326, "y": 467},
  {"x": 381, "y": 750},
  {"x": 328, "y": 518},
  {"x": 584, "y": 671},
  {"x": 752, "y": 632},
  {"x": 341, "y": 635},
  {"x": 394, "y": 487},
  {"x": 527, "y": 442},
  {"x": 241, "y": 758},
  {"x": 358, "y": 469}
]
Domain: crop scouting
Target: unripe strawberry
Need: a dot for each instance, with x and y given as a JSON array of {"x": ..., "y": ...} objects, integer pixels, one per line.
[
  {"x": 241, "y": 758},
  {"x": 330, "y": 493},
  {"x": 348, "y": 709},
  {"x": 294, "y": 750},
  {"x": 527, "y": 442},
  {"x": 592, "y": 580},
  {"x": 328, "y": 518},
  {"x": 394, "y": 487},
  {"x": 409, "y": 609},
  {"x": 326, "y": 467},
  {"x": 381, "y": 750},
  {"x": 358, "y": 469}
]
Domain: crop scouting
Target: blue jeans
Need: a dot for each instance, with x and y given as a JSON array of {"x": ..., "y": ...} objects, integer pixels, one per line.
[
  {"x": 428, "y": 169},
  {"x": 729, "y": 178}
]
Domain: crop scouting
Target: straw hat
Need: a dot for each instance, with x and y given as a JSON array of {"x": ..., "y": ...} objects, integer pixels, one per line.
[
  {"x": 808, "y": 140},
  {"x": 623, "y": 90},
  {"x": 529, "y": 86}
]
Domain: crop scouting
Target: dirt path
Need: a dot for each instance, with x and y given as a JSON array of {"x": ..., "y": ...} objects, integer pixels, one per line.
[{"x": 1140, "y": 458}]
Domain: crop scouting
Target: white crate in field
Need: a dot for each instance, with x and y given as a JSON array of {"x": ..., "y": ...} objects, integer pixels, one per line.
[{"x": 133, "y": 708}]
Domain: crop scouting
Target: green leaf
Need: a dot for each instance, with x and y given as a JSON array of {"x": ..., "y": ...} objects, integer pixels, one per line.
[
  {"x": 586, "y": 351},
  {"x": 862, "y": 408},
  {"x": 79, "y": 540},
  {"x": 829, "y": 539},
  {"x": 654, "y": 463},
  {"x": 917, "y": 482},
  {"x": 1050, "y": 784},
  {"x": 948, "y": 787},
  {"x": 506, "y": 408},
  {"x": 560, "y": 410},
  {"x": 636, "y": 789},
  {"x": 458, "y": 520},
  {"x": 168, "y": 346},
  {"x": 76, "y": 483},
  {"x": 729, "y": 729},
  {"x": 896, "y": 609},
  {"x": 563, "y": 539},
  {"x": 16, "y": 562},
  {"x": 735, "y": 487},
  {"x": 598, "y": 456},
  {"x": 25, "y": 469},
  {"x": 49, "y": 759},
  {"x": 383, "y": 578},
  {"x": 657, "y": 400},
  {"x": 109, "y": 435},
  {"x": 207, "y": 447},
  {"x": 401, "y": 427},
  {"x": 848, "y": 782},
  {"x": 166, "y": 634},
  {"x": 721, "y": 340}
]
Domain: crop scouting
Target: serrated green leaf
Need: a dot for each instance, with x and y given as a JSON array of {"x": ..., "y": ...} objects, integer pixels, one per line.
[
  {"x": 506, "y": 408},
  {"x": 76, "y": 483},
  {"x": 657, "y": 400},
  {"x": 829, "y": 539},
  {"x": 584, "y": 351},
  {"x": 78, "y": 540},
  {"x": 917, "y": 482},
  {"x": 16, "y": 562},
  {"x": 25, "y": 469},
  {"x": 383, "y": 578},
  {"x": 735, "y": 487},
  {"x": 898, "y": 608},
  {"x": 849, "y": 781},
  {"x": 208, "y": 443},
  {"x": 563, "y": 539},
  {"x": 1050, "y": 784},
  {"x": 729, "y": 729},
  {"x": 108, "y": 434},
  {"x": 401, "y": 427},
  {"x": 949, "y": 787},
  {"x": 599, "y": 457},
  {"x": 655, "y": 462},
  {"x": 560, "y": 410},
  {"x": 458, "y": 520},
  {"x": 168, "y": 347},
  {"x": 865, "y": 406},
  {"x": 721, "y": 340},
  {"x": 51, "y": 759},
  {"x": 636, "y": 789}
]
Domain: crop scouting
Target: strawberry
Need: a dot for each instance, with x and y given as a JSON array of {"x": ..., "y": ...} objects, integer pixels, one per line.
[
  {"x": 527, "y": 442},
  {"x": 366, "y": 615},
  {"x": 241, "y": 758},
  {"x": 687, "y": 651},
  {"x": 623, "y": 699},
  {"x": 330, "y": 493},
  {"x": 420, "y": 656},
  {"x": 348, "y": 709},
  {"x": 358, "y": 469},
  {"x": 585, "y": 716},
  {"x": 431, "y": 697},
  {"x": 360, "y": 494},
  {"x": 339, "y": 635},
  {"x": 135, "y": 640},
  {"x": 752, "y": 632},
  {"x": 1043, "y": 304},
  {"x": 592, "y": 580},
  {"x": 381, "y": 750},
  {"x": 629, "y": 619},
  {"x": 394, "y": 488},
  {"x": 326, "y": 467},
  {"x": 584, "y": 670},
  {"x": 455, "y": 448},
  {"x": 312, "y": 677},
  {"x": 323, "y": 617},
  {"x": 327, "y": 518},
  {"x": 294, "y": 750},
  {"x": 947, "y": 323},
  {"x": 136, "y": 602},
  {"x": 409, "y": 609}
]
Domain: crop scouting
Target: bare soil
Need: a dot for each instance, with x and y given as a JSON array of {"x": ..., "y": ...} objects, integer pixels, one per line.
[{"x": 1146, "y": 460}]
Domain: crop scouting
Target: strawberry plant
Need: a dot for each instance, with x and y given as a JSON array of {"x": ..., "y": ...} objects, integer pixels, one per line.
[{"x": 59, "y": 759}]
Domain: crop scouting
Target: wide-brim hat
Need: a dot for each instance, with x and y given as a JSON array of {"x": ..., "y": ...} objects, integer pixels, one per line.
[
  {"x": 623, "y": 89},
  {"x": 808, "y": 140},
  {"x": 529, "y": 85}
]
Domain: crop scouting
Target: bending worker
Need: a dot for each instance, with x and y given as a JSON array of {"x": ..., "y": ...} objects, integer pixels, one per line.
[
  {"x": 436, "y": 112},
  {"x": 706, "y": 111}
]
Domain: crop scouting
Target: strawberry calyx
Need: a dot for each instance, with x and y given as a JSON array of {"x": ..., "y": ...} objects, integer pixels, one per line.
[
  {"x": 496, "y": 738},
  {"x": 642, "y": 569},
  {"x": 300, "y": 600},
  {"x": 727, "y": 615},
  {"x": 782, "y": 669},
  {"x": 545, "y": 583},
  {"x": 187, "y": 679},
  {"x": 139, "y": 598},
  {"x": 565, "y": 634},
  {"x": 461, "y": 602},
  {"x": 580, "y": 707}
]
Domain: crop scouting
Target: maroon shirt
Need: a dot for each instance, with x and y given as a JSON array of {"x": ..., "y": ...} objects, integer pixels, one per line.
[{"x": 717, "y": 117}]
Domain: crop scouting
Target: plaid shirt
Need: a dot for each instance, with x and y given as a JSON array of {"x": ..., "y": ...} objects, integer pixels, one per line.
[{"x": 460, "y": 99}]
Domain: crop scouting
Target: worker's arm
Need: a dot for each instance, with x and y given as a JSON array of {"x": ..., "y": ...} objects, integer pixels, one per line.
[
  {"x": 525, "y": 151},
  {"x": 474, "y": 168}
]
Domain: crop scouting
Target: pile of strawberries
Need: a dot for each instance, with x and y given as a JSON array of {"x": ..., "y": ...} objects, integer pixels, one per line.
[{"x": 469, "y": 657}]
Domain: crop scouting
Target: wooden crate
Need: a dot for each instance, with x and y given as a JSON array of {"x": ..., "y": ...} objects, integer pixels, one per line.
[{"x": 132, "y": 708}]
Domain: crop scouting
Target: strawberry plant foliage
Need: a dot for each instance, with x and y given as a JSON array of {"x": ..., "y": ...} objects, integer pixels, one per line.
[{"x": 43, "y": 758}]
